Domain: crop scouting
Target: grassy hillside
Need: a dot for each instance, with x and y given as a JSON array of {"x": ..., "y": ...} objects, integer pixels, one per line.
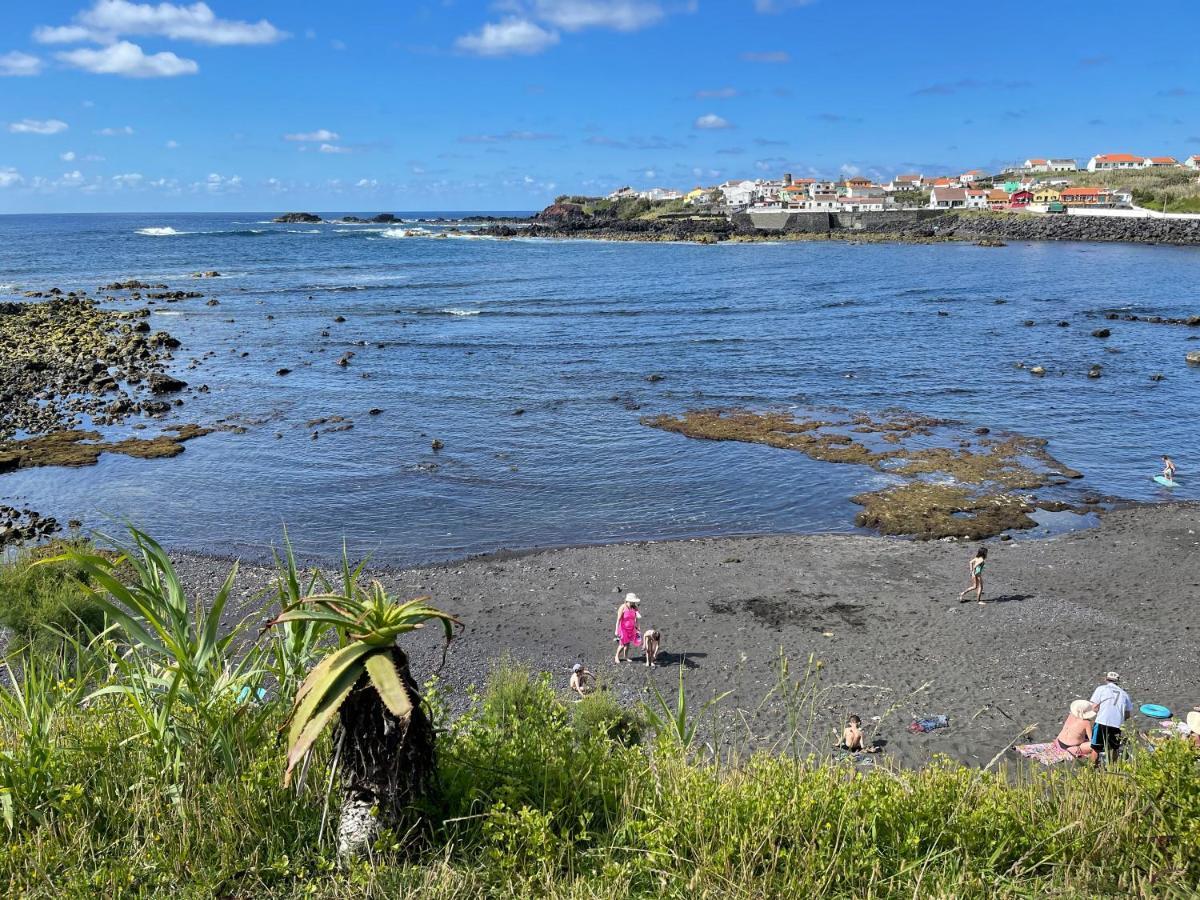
[
  {"x": 1164, "y": 190},
  {"x": 137, "y": 793}
]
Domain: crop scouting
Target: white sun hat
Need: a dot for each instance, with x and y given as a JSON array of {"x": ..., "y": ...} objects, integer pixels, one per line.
[{"x": 632, "y": 598}]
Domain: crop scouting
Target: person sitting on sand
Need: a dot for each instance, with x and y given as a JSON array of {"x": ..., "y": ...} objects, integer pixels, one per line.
[
  {"x": 1076, "y": 734},
  {"x": 1193, "y": 724},
  {"x": 651, "y": 644},
  {"x": 583, "y": 682},
  {"x": 626, "y": 630},
  {"x": 1168, "y": 468},
  {"x": 853, "y": 738},
  {"x": 978, "y": 561}
]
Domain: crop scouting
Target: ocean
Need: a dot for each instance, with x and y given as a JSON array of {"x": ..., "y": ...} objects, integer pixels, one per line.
[{"x": 534, "y": 361}]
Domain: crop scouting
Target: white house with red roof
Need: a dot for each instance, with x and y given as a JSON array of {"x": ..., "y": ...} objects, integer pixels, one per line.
[
  {"x": 972, "y": 176},
  {"x": 1192, "y": 162},
  {"x": 1108, "y": 161},
  {"x": 1159, "y": 162}
]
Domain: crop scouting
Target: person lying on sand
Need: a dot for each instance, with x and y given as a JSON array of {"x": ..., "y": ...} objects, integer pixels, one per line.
[
  {"x": 1076, "y": 734},
  {"x": 651, "y": 643},
  {"x": 978, "y": 561},
  {"x": 626, "y": 629},
  {"x": 583, "y": 682},
  {"x": 853, "y": 738}
]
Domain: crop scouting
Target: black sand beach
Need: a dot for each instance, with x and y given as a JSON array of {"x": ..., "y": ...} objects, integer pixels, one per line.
[{"x": 878, "y": 618}]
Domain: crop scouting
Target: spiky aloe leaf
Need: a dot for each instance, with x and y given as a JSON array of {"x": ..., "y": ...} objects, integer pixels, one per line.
[
  {"x": 321, "y": 682},
  {"x": 338, "y": 691},
  {"x": 389, "y": 685}
]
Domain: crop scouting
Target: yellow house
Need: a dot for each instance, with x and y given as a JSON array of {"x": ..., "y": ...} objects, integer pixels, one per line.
[
  {"x": 696, "y": 195},
  {"x": 1046, "y": 195}
]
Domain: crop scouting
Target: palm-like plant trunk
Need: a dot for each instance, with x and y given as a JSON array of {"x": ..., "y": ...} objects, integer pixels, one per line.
[{"x": 386, "y": 763}]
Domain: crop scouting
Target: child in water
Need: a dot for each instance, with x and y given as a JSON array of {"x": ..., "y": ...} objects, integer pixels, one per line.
[
  {"x": 978, "y": 561},
  {"x": 1168, "y": 468}
]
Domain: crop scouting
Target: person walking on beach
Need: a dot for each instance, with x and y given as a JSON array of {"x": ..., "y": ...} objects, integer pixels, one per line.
[
  {"x": 1113, "y": 707},
  {"x": 978, "y": 561},
  {"x": 626, "y": 630}
]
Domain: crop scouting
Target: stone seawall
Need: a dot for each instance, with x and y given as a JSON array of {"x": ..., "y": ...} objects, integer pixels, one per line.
[
  {"x": 786, "y": 222},
  {"x": 1030, "y": 227}
]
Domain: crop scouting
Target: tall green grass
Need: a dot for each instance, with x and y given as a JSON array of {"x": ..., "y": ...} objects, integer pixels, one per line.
[{"x": 539, "y": 796}]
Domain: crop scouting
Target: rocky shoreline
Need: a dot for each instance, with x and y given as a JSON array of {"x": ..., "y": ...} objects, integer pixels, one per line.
[
  {"x": 565, "y": 220},
  {"x": 70, "y": 366}
]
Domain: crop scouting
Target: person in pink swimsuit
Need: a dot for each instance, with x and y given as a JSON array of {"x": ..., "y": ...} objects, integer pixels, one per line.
[{"x": 626, "y": 629}]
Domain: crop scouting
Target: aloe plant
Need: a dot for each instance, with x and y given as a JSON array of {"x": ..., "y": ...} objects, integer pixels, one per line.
[{"x": 384, "y": 740}]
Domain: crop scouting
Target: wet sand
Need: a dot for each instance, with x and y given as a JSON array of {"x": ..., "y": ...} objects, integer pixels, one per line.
[{"x": 878, "y": 618}]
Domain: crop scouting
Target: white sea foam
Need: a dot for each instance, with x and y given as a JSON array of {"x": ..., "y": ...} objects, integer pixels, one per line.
[
  {"x": 461, "y": 312},
  {"x": 405, "y": 232},
  {"x": 298, "y": 231},
  {"x": 7, "y": 288},
  {"x": 163, "y": 231}
]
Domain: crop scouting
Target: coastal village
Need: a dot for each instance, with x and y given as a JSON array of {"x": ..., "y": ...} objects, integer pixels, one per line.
[{"x": 1039, "y": 184}]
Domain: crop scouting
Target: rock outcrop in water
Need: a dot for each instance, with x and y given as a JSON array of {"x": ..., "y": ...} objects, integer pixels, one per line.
[{"x": 298, "y": 218}]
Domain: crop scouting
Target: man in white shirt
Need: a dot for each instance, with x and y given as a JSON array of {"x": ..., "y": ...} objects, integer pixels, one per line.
[{"x": 1113, "y": 707}]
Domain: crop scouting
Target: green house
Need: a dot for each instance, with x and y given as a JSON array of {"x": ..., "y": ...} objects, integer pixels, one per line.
[{"x": 1012, "y": 186}]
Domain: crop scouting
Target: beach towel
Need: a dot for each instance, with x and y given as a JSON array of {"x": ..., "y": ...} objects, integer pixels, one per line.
[
  {"x": 1046, "y": 754},
  {"x": 929, "y": 723}
]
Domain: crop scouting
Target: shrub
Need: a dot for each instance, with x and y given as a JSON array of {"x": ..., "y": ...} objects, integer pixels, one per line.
[{"x": 34, "y": 598}]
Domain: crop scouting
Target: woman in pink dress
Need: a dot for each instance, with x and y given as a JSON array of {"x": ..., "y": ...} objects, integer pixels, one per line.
[{"x": 627, "y": 627}]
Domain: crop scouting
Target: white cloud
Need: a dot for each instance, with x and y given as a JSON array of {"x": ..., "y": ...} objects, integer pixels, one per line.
[
  {"x": 18, "y": 64},
  {"x": 506, "y": 136},
  {"x": 849, "y": 170},
  {"x": 109, "y": 19},
  {"x": 69, "y": 156},
  {"x": 778, "y": 6},
  {"x": 366, "y": 183},
  {"x": 313, "y": 137},
  {"x": 711, "y": 122},
  {"x": 333, "y": 148},
  {"x": 574, "y": 15},
  {"x": 509, "y": 37},
  {"x": 131, "y": 180},
  {"x": 172, "y": 145},
  {"x": 218, "y": 184},
  {"x": 128, "y": 60},
  {"x": 71, "y": 179},
  {"x": 37, "y": 126},
  {"x": 115, "y": 132},
  {"x": 10, "y": 177}
]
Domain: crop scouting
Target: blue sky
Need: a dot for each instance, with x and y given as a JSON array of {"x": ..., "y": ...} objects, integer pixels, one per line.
[{"x": 114, "y": 105}]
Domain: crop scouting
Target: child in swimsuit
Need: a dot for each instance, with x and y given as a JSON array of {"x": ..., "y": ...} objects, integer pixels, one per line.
[{"x": 977, "y": 564}]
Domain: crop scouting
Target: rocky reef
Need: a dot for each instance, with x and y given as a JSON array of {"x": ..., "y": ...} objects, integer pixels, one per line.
[
  {"x": 69, "y": 366},
  {"x": 968, "y": 490},
  {"x": 298, "y": 218}
]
